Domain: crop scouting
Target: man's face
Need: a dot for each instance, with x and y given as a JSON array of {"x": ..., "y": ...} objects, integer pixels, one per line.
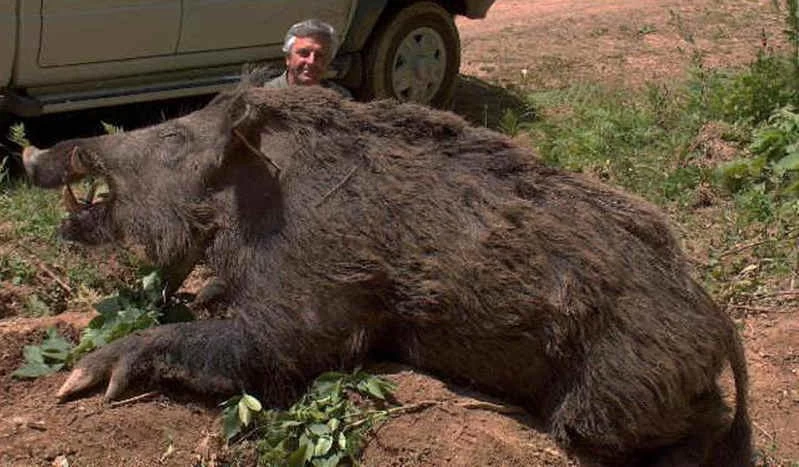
[{"x": 308, "y": 60}]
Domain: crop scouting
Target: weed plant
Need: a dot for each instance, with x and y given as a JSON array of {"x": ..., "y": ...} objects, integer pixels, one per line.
[{"x": 647, "y": 141}]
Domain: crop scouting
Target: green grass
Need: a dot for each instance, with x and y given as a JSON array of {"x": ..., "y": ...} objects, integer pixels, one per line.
[
  {"x": 628, "y": 140},
  {"x": 35, "y": 213},
  {"x": 31, "y": 254},
  {"x": 645, "y": 142}
]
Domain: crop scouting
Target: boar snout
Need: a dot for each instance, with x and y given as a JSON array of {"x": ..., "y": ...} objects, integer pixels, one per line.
[
  {"x": 48, "y": 170},
  {"x": 31, "y": 159}
]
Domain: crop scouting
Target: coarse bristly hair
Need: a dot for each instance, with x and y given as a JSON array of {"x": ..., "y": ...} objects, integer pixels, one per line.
[{"x": 347, "y": 231}]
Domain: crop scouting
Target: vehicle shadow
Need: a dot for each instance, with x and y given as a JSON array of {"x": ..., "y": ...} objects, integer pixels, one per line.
[
  {"x": 491, "y": 106},
  {"x": 479, "y": 102}
]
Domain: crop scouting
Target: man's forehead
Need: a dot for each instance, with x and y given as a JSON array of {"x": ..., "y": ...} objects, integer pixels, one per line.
[{"x": 312, "y": 41}]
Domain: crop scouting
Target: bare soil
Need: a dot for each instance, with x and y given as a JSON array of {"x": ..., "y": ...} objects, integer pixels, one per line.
[{"x": 523, "y": 45}]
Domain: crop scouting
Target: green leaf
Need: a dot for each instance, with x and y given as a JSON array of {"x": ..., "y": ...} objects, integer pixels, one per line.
[
  {"x": 332, "y": 460},
  {"x": 333, "y": 424},
  {"x": 231, "y": 425},
  {"x": 373, "y": 389},
  {"x": 33, "y": 354},
  {"x": 251, "y": 402},
  {"x": 290, "y": 424},
  {"x": 297, "y": 458},
  {"x": 244, "y": 413},
  {"x": 342, "y": 441},
  {"x": 111, "y": 129},
  {"x": 151, "y": 283},
  {"x": 35, "y": 370},
  {"x": 319, "y": 429},
  {"x": 309, "y": 446},
  {"x": 107, "y": 306},
  {"x": 323, "y": 446},
  {"x": 16, "y": 134},
  {"x": 788, "y": 163},
  {"x": 55, "y": 347}
]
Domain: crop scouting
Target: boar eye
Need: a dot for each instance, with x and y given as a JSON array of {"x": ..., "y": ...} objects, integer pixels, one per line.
[
  {"x": 172, "y": 147},
  {"x": 173, "y": 135}
]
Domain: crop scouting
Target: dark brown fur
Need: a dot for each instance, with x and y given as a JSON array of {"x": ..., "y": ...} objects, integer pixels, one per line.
[{"x": 395, "y": 230}]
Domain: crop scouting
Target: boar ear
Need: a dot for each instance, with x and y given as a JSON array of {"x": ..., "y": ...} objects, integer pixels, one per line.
[
  {"x": 243, "y": 131},
  {"x": 239, "y": 112}
]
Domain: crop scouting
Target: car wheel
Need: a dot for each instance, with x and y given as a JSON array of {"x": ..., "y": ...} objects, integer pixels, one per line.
[{"x": 413, "y": 55}]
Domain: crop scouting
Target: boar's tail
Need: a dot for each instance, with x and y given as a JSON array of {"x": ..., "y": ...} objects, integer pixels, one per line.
[{"x": 735, "y": 448}]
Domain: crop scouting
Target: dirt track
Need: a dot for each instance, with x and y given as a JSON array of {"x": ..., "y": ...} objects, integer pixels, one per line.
[{"x": 618, "y": 42}]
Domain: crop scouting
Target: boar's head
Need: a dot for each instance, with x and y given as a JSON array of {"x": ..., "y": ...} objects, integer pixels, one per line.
[{"x": 166, "y": 183}]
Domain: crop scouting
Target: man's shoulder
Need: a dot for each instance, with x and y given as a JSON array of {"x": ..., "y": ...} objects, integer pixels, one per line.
[{"x": 278, "y": 82}]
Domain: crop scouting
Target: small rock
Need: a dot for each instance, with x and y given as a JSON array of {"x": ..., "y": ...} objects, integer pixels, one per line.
[
  {"x": 60, "y": 461},
  {"x": 37, "y": 425}
]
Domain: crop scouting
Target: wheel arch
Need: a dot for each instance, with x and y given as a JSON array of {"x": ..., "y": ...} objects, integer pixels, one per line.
[{"x": 370, "y": 14}]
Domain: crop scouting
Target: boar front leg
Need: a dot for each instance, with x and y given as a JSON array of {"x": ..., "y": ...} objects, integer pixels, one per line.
[{"x": 207, "y": 357}]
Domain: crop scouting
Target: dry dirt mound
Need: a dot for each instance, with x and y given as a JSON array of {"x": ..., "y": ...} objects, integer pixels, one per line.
[{"x": 451, "y": 426}]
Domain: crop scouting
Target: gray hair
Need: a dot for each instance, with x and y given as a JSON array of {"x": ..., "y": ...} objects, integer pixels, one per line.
[{"x": 311, "y": 27}]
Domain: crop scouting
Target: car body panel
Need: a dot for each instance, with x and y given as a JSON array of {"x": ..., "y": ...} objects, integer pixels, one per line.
[
  {"x": 8, "y": 39},
  {"x": 477, "y": 8},
  {"x": 91, "y": 31},
  {"x": 218, "y": 25},
  {"x": 60, "y": 55}
]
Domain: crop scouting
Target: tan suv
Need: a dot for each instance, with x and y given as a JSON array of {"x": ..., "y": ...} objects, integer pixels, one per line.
[{"x": 59, "y": 55}]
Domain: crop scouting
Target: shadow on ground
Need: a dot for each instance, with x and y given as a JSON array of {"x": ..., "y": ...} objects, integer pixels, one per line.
[
  {"x": 480, "y": 102},
  {"x": 488, "y": 105}
]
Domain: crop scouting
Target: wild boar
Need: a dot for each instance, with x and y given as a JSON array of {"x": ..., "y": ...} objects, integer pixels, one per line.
[{"x": 347, "y": 231}]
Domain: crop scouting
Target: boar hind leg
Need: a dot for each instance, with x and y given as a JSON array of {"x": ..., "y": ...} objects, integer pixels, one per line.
[{"x": 625, "y": 429}]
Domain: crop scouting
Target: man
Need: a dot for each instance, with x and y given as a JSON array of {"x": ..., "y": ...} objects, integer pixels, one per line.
[{"x": 309, "y": 46}]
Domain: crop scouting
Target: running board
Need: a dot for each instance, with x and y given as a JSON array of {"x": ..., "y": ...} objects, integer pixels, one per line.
[{"x": 53, "y": 103}]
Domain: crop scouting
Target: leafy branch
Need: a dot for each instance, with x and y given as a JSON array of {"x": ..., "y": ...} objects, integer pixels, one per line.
[
  {"x": 131, "y": 309},
  {"x": 324, "y": 428}
]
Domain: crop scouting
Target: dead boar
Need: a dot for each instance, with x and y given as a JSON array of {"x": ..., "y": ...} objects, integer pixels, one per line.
[{"x": 346, "y": 231}]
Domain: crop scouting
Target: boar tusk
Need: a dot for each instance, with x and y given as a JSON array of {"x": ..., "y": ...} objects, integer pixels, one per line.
[
  {"x": 70, "y": 202},
  {"x": 92, "y": 192}
]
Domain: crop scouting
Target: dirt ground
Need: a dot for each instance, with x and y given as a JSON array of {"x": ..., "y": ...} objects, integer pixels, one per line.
[{"x": 522, "y": 45}]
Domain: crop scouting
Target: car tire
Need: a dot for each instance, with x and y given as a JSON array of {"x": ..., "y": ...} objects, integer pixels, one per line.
[{"x": 413, "y": 55}]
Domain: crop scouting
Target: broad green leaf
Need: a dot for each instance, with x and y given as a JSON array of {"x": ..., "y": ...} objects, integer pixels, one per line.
[
  {"x": 333, "y": 424},
  {"x": 251, "y": 402},
  {"x": 297, "y": 458},
  {"x": 108, "y": 306},
  {"x": 319, "y": 429},
  {"x": 787, "y": 164},
  {"x": 331, "y": 461},
  {"x": 33, "y": 354},
  {"x": 55, "y": 347},
  {"x": 152, "y": 285},
  {"x": 35, "y": 370},
  {"x": 231, "y": 425},
  {"x": 309, "y": 446},
  {"x": 330, "y": 376},
  {"x": 323, "y": 446},
  {"x": 244, "y": 413},
  {"x": 372, "y": 388},
  {"x": 290, "y": 424}
]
